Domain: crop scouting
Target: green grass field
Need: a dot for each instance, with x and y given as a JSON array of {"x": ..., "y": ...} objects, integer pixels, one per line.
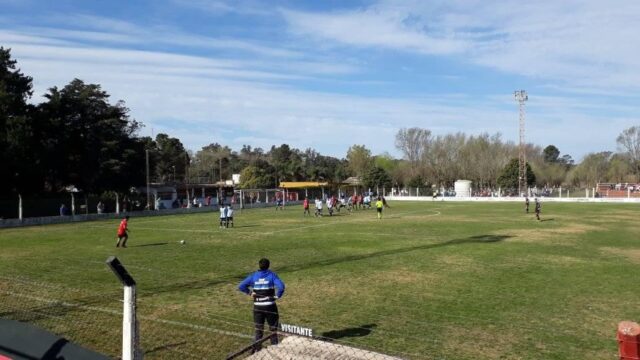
[{"x": 431, "y": 280}]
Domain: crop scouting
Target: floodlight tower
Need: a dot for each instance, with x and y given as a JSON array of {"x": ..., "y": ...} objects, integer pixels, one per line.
[{"x": 521, "y": 96}]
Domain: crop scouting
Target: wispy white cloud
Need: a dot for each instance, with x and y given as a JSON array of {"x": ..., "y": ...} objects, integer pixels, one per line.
[
  {"x": 578, "y": 43},
  {"x": 221, "y": 7},
  {"x": 262, "y": 99}
]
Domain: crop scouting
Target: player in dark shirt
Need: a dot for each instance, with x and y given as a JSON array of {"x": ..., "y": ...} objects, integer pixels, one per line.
[
  {"x": 526, "y": 204},
  {"x": 538, "y": 208},
  {"x": 265, "y": 287}
]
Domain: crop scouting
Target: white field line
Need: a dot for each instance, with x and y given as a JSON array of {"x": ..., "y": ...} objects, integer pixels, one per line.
[{"x": 119, "y": 313}]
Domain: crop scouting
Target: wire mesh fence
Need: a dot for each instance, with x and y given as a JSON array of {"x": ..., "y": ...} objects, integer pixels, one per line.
[{"x": 172, "y": 330}]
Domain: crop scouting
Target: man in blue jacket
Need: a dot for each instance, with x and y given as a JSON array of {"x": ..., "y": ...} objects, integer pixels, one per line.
[{"x": 261, "y": 286}]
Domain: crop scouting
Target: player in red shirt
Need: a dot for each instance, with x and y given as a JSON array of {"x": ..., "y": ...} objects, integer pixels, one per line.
[
  {"x": 305, "y": 205},
  {"x": 122, "y": 232}
]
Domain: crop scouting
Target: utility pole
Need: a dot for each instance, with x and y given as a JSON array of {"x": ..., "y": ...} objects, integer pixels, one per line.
[
  {"x": 186, "y": 177},
  {"x": 148, "y": 183},
  {"x": 521, "y": 96}
]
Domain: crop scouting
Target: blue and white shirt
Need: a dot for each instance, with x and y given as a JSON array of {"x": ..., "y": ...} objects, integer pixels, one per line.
[{"x": 263, "y": 283}]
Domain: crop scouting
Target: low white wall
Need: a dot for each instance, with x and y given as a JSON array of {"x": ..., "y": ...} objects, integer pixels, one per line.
[
  {"x": 512, "y": 199},
  {"x": 48, "y": 220}
]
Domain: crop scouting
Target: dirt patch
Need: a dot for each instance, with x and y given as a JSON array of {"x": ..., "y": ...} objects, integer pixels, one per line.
[
  {"x": 406, "y": 276},
  {"x": 632, "y": 255},
  {"x": 562, "y": 260},
  {"x": 555, "y": 236},
  {"x": 489, "y": 341}
]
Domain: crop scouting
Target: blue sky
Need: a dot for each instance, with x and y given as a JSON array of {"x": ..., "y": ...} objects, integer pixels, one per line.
[{"x": 330, "y": 74}]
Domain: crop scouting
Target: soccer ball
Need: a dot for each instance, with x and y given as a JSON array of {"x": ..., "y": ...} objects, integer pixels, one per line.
[{"x": 182, "y": 242}]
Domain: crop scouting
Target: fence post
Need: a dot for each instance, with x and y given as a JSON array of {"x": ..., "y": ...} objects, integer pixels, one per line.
[
  {"x": 20, "y": 207},
  {"x": 117, "y": 204},
  {"x": 130, "y": 338},
  {"x": 73, "y": 205}
]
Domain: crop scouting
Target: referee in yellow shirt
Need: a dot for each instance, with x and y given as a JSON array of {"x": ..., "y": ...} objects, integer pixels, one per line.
[{"x": 379, "y": 205}]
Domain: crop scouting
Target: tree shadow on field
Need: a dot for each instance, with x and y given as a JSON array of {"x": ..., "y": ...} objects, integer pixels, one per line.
[
  {"x": 469, "y": 240},
  {"x": 222, "y": 280},
  {"x": 362, "y": 330}
]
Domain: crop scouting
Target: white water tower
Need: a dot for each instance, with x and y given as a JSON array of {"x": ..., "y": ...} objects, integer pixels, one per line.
[{"x": 462, "y": 188}]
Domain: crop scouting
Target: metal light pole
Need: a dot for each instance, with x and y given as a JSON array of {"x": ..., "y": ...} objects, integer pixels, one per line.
[
  {"x": 521, "y": 96},
  {"x": 148, "y": 185}
]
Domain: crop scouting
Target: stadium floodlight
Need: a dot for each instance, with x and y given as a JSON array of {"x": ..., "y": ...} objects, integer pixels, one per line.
[{"x": 521, "y": 96}]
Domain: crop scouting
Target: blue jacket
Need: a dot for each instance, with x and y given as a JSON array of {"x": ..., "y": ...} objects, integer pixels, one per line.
[{"x": 263, "y": 283}]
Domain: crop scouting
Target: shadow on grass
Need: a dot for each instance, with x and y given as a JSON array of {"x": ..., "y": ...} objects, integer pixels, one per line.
[
  {"x": 205, "y": 283},
  {"x": 543, "y": 220},
  {"x": 152, "y": 244},
  {"x": 164, "y": 347},
  {"x": 363, "y": 330},
  {"x": 470, "y": 240}
]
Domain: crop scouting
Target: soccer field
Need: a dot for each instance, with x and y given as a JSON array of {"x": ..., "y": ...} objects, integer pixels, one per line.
[{"x": 431, "y": 280}]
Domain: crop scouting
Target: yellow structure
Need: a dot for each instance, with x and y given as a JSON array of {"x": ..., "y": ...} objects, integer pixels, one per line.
[{"x": 301, "y": 184}]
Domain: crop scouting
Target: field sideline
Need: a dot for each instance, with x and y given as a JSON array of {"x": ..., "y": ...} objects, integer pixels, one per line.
[{"x": 438, "y": 280}]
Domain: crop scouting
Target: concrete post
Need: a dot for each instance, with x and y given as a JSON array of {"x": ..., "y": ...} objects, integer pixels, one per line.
[
  {"x": 20, "y": 207},
  {"x": 130, "y": 336},
  {"x": 117, "y": 204}
]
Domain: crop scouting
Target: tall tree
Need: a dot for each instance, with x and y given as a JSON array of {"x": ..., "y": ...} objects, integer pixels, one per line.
[
  {"x": 359, "y": 160},
  {"x": 171, "y": 158},
  {"x": 508, "y": 179},
  {"x": 286, "y": 163},
  {"x": 17, "y": 153},
  {"x": 86, "y": 136},
  {"x": 413, "y": 143},
  {"x": 629, "y": 143},
  {"x": 551, "y": 154},
  {"x": 376, "y": 177}
]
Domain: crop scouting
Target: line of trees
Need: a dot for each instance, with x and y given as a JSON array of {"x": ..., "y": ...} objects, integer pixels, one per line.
[{"x": 78, "y": 136}]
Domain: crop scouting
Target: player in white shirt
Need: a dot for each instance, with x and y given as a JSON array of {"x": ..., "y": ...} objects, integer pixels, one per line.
[
  {"x": 229, "y": 216},
  {"x": 223, "y": 216},
  {"x": 318, "y": 207}
]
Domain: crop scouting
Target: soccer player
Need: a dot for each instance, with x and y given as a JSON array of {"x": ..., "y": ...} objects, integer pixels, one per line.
[
  {"x": 305, "y": 205},
  {"x": 261, "y": 286},
  {"x": 229, "y": 216},
  {"x": 379, "y": 206},
  {"x": 318, "y": 207},
  {"x": 538, "y": 208},
  {"x": 223, "y": 216},
  {"x": 526, "y": 204},
  {"x": 279, "y": 203},
  {"x": 330, "y": 206},
  {"x": 123, "y": 232}
]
